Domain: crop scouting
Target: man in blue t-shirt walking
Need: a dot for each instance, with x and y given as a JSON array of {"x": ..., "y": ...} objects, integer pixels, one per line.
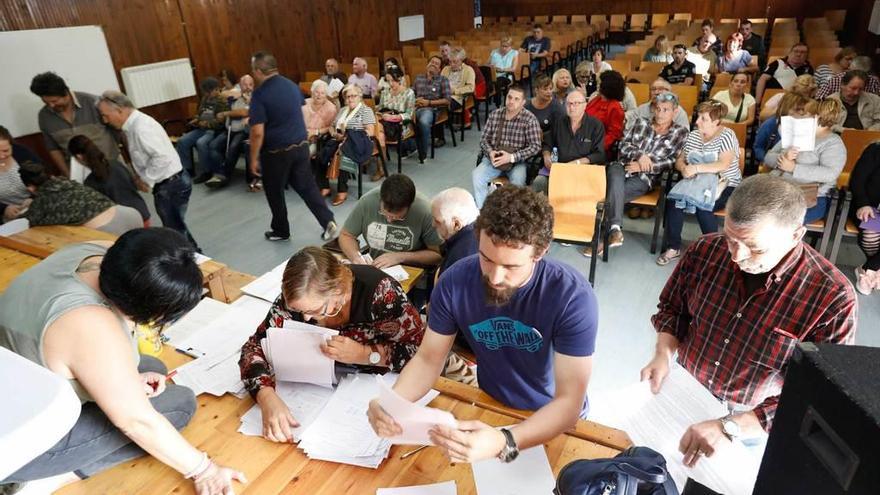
[
  {"x": 530, "y": 321},
  {"x": 280, "y": 146}
]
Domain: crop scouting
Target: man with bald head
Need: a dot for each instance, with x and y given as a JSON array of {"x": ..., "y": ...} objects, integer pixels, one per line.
[
  {"x": 643, "y": 111},
  {"x": 331, "y": 71},
  {"x": 453, "y": 213},
  {"x": 363, "y": 79}
]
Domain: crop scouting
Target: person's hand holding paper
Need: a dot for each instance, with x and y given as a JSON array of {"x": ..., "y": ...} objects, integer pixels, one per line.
[{"x": 413, "y": 420}]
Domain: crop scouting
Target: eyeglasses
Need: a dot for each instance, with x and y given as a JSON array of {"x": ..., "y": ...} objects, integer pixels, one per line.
[
  {"x": 391, "y": 217},
  {"x": 323, "y": 312},
  {"x": 666, "y": 98}
]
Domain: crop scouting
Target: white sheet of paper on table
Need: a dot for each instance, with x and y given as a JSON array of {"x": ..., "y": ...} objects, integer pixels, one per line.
[
  {"x": 304, "y": 400},
  {"x": 528, "y": 474},
  {"x": 798, "y": 132},
  {"x": 267, "y": 286},
  {"x": 296, "y": 353},
  {"x": 414, "y": 419},
  {"x": 659, "y": 421},
  {"x": 442, "y": 488},
  {"x": 13, "y": 227},
  {"x": 198, "y": 318},
  {"x": 201, "y": 258},
  {"x": 397, "y": 271}
]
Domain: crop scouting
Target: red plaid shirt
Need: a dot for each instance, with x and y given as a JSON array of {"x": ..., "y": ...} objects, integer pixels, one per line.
[{"x": 738, "y": 345}]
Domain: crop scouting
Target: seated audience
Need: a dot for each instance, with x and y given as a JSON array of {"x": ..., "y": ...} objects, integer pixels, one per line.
[
  {"x": 319, "y": 113},
  {"x": 734, "y": 59},
  {"x": 562, "y": 84},
  {"x": 819, "y": 167},
  {"x": 862, "y": 63},
  {"x": 744, "y": 299},
  {"x": 112, "y": 179},
  {"x": 740, "y": 104},
  {"x": 575, "y": 137},
  {"x": 708, "y": 37},
  {"x": 592, "y": 69},
  {"x": 445, "y": 50},
  {"x": 390, "y": 63},
  {"x": 98, "y": 293},
  {"x": 453, "y": 213},
  {"x": 645, "y": 110},
  {"x": 680, "y": 70},
  {"x": 511, "y": 136},
  {"x": 461, "y": 79},
  {"x": 538, "y": 48},
  {"x": 544, "y": 105},
  {"x": 709, "y": 161},
  {"x": 397, "y": 106},
  {"x": 350, "y": 135},
  {"x": 705, "y": 61},
  {"x": 230, "y": 87},
  {"x": 505, "y": 60},
  {"x": 396, "y": 224},
  {"x": 379, "y": 329},
  {"x": 14, "y": 195},
  {"x": 331, "y": 72},
  {"x": 841, "y": 63},
  {"x": 205, "y": 127},
  {"x": 61, "y": 201},
  {"x": 792, "y": 105},
  {"x": 480, "y": 87},
  {"x": 67, "y": 113},
  {"x": 232, "y": 145},
  {"x": 804, "y": 85},
  {"x": 363, "y": 79},
  {"x": 432, "y": 95},
  {"x": 752, "y": 42},
  {"x": 649, "y": 148},
  {"x": 864, "y": 184},
  {"x": 861, "y": 110},
  {"x": 660, "y": 52},
  {"x": 608, "y": 108},
  {"x": 782, "y": 73}
]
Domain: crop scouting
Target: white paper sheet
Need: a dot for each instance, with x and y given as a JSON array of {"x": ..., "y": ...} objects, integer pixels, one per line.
[
  {"x": 397, "y": 272},
  {"x": 335, "y": 86},
  {"x": 798, "y": 132},
  {"x": 215, "y": 378},
  {"x": 13, "y": 227},
  {"x": 197, "y": 319},
  {"x": 659, "y": 421},
  {"x": 415, "y": 419},
  {"x": 201, "y": 258},
  {"x": 442, "y": 488},
  {"x": 304, "y": 400},
  {"x": 296, "y": 354},
  {"x": 529, "y": 474},
  {"x": 268, "y": 286}
]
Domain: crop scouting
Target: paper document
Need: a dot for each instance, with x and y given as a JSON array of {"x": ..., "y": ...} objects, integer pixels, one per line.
[
  {"x": 268, "y": 286},
  {"x": 659, "y": 421},
  {"x": 529, "y": 474},
  {"x": 397, "y": 272},
  {"x": 443, "y": 488},
  {"x": 335, "y": 86},
  {"x": 13, "y": 227},
  {"x": 78, "y": 171},
  {"x": 415, "y": 419},
  {"x": 304, "y": 400},
  {"x": 799, "y": 133},
  {"x": 295, "y": 353},
  {"x": 201, "y": 258},
  {"x": 198, "y": 318}
]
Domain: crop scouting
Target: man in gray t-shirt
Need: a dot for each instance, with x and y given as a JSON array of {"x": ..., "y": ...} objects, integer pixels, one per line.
[{"x": 396, "y": 224}]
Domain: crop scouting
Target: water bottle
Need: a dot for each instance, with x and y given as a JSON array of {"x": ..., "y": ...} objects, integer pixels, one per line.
[{"x": 554, "y": 155}]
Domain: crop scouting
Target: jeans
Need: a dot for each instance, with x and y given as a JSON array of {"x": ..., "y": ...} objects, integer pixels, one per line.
[
  {"x": 621, "y": 190},
  {"x": 485, "y": 172},
  {"x": 424, "y": 121},
  {"x": 171, "y": 197},
  {"x": 291, "y": 167},
  {"x": 818, "y": 211},
  {"x": 95, "y": 444},
  {"x": 707, "y": 219},
  {"x": 201, "y": 139},
  {"x": 226, "y": 166}
]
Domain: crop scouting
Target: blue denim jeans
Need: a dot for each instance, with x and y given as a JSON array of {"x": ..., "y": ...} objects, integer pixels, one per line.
[
  {"x": 818, "y": 211},
  {"x": 171, "y": 198},
  {"x": 707, "y": 220},
  {"x": 424, "y": 121},
  {"x": 200, "y": 139},
  {"x": 486, "y": 172},
  {"x": 95, "y": 444}
]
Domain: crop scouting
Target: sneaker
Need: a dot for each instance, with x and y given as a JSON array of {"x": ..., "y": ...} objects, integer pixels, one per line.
[
  {"x": 615, "y": 238},
  {"x": 216, "y": 181},
  {"x": 863, "y": 281},
  {"x": 255, "y": 185},
  {"x": 667, "y": 256},
  {"x": 331, "y": 231},
  {"x": 272, "y": 236},
  {"x": 588, "y": 251},
  {"x": 202, "y": 178}
]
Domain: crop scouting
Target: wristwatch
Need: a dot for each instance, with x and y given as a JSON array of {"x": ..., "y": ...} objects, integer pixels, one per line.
[
  {"x": 375, "y": 357},
  {"x": 510, "y": 451},
  {"x": 730, "y": 427}
]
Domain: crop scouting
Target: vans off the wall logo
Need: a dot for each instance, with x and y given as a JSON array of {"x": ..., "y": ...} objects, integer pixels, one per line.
[{"x": 499, "y": 332}]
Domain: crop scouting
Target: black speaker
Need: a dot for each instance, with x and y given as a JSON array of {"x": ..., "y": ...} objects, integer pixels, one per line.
[{"x": 826, "y": 435}]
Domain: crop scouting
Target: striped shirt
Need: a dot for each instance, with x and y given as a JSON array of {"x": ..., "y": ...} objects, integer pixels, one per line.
[
  {"x": 12, "y": 189},
  {"x": 359, "y": 121},
  {"x": 833, "y": 86},
  {"x": 696, "y": 151},
  {"x": 521, "y": 133}
]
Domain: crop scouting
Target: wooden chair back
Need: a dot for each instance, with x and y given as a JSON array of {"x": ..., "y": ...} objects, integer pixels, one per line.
[
  {"x": 768, "y": 93},
  {"x": 687, "y": 97},
  {"x": 617, "y": 22},
  {"x": 652, "y": 67},
  {"x": 416, "y": 65},
  {"x": 722, "y": 81},
  {"x": 574, "y": 192},
  {"x": 414, "y": 51},
  {"x": 683, "y": 16},
  {"x": 523, "y": 19},
  {"x": 620, "y": 65},
  {"x": 313, "y": 75},
  {"x": 642, "y": 91},
  {"x": 659, "y": 20},
  {"x": 740, "y": 129},
  {"x": 855, "y": 141},
  {"x": 638, "y": 22},
  {"x": 392, "y": 54},
  {"x": 578, "y": 18},
  {"x": 641, "y": 76},
  {"x": 559, "y": 19}
]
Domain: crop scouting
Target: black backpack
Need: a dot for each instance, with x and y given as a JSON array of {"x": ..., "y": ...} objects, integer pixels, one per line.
[{"x": 635, "y": 471}]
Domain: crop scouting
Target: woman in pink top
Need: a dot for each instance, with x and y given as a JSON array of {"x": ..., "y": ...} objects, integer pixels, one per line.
[{"x": 319, "y": 113}]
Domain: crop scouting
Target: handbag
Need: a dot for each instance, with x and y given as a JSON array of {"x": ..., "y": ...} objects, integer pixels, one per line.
[
  {"x": 636, "y": 470},
  {"x": 811, "y": 193},
  {"x": 333, "y": 168}
]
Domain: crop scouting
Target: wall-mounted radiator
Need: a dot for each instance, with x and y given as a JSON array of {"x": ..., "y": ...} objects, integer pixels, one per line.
[{"x": 156, "y": 83}]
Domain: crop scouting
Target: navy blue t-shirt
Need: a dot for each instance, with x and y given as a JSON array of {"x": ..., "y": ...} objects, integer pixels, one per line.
[
  {"x": 556, "y": 311},
  {"x": 277, "y": 103}
]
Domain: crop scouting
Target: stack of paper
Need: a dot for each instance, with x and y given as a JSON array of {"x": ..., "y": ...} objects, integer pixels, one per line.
[
  {"x": 294, "y": 352},
  {"x": 199, "y": 318},
  {"x": 798, "y": 132},
  {"x": 659, "y": 421},
  {"x": 268, "y": 286},
  {"x": 415, "y": 419},
  {"x": 443, "y": 488},
  {"x": 396, "y": 271},
  {"x": 304, "y": 400},
  {"x": 529, "y": 474}
]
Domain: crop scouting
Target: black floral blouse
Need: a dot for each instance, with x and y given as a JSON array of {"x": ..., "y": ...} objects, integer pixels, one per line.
[{"x": 60, "y": 201}]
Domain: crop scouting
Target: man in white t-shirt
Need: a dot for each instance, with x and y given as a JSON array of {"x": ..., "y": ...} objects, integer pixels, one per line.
[{"x": 782, "y": 72}]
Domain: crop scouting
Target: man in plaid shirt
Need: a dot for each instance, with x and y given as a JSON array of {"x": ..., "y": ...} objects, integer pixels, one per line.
[
  {"x": 872, "y": 85},
  {"x": 739, "y": 302},
  {"x": 432, "y": 94},
  {"x": 512, "y": 134}
]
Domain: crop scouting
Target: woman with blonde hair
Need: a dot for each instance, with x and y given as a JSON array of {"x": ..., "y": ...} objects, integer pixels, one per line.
[
  {"x": 841, "y": 63},
  {"x": 562, "y": 84},
  {"x": 805, "y": 85},
  {"x": 504, "y": 59},
  {"x": 660, "y": 52},
  {"x": 379, "y": 329}
]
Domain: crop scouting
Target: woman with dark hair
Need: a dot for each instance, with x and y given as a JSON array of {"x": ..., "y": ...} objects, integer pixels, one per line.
[
  {"x": 76, "y": 313},
  {"x": 865, "y": 186},
  {"x": 379, "y": 329},
  {"x": 734, "y": 59},
  {"x": 607, "y": 106},
  {"x": 390, "y": 63},
  {"x": 60, "y": 201},
  {"x": 229, "y": 87},
  {"x": 14, "y": 196},
  {"x": 396, "y": 108},
  {"x": 111, "y": 179}
]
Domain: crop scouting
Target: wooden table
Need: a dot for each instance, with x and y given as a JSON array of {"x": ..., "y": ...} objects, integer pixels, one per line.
[
  {"x": 12, "y": 263},
  {"x": 414, "y": 275},
  {"x": 43, "y": 241}
]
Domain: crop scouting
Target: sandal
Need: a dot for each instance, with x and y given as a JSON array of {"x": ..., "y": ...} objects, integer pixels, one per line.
[
  {"x": 667, "y": 256},
  {"x": 339, "y": 198}
]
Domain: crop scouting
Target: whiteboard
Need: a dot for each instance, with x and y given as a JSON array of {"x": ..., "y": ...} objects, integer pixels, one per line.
[
  {"x": 411, "y": 27},
  {"x": 77, "y": 54}
]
